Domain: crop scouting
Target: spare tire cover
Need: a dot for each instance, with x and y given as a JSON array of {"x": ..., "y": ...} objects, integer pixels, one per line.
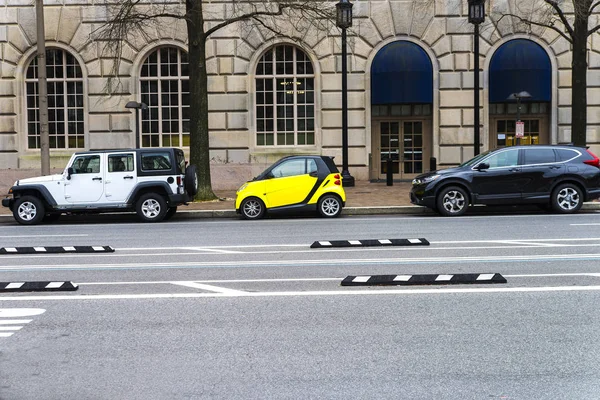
[{"x": 191, "y": 180}]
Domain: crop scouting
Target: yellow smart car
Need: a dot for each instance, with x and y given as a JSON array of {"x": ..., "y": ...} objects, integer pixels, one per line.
[{"x": 293, "y": 184}]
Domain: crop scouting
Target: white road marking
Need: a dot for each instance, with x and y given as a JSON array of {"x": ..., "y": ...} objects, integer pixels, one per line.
[
  {"x": 20, "y": 312},
  {"x": 211, "y": 250},
  {"x": 584, "y": 224},
  {"x": 210, "y": 288},
  {"x": 399, "y": 291},
  {"x": 6, "y": 334},
  {"x": 10, "y": 328},
  {"x": 14, "y": 321},
  {"x": 40, "y": 236}
]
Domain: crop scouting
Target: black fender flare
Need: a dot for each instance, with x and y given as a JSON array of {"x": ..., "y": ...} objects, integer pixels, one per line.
[
  {"x": 41, "y": 189},
  {"x": 148, "y": 185}
]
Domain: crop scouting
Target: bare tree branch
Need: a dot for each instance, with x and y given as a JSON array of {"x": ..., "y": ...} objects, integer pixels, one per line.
[
  {"x": 594, "y": 6},
  {"x": 244, "y": 17},
  {"x": 595, "y": 29},
  {"x": 561, "y": 15},
  {"x": 528, "y": 22}
]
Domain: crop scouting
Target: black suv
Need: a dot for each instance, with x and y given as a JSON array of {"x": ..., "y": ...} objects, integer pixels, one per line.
[{"x": 552, "y": 176}]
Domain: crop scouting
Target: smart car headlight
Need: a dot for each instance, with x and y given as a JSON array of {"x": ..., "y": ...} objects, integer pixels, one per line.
[{"x": 242, "y": 187}]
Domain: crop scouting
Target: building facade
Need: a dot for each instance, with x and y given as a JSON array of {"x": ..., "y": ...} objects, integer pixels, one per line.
[{"x": 410, "y": 87}]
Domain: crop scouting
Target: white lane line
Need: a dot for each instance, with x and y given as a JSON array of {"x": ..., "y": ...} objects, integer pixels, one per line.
[
  {"x": 210, "y": 288},
  {"x": 584, "y": 224},
  {"x": 20, "y": 312},
  {"x": 6, "y": 334},
  {"x": 40, "y": 236},
  {"x": 515, "y": 240},
  {"x": 329, "y": 261},
  {"x": 399, "y": 291},
  {"x": 10, "y": 328},
  {"x": 15, "y": 321},
  {"x": 249, "y": 246},
  {"x": 535, "y": 244},
  {"x": 211, "y": 250}
]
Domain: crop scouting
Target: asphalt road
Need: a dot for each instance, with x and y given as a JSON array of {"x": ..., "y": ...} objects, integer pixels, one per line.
[{"x": 246, "y": 309}]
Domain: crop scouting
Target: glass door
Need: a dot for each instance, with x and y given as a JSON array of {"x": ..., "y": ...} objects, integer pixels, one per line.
[
  {"x": 505, "y": 132},
  {"x": 390, "y": 146},
  {"x": 412, "y": 154},
  {"x": 402, "y": 143}
]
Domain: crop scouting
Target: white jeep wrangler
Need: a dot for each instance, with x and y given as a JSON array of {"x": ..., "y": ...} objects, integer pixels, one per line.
[{"x": 151, "y": 182}]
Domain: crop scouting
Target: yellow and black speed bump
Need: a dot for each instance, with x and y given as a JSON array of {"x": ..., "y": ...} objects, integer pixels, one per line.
[
  {"x": 56, "y": 249},
  {"x": 369, "y": 243},
  {"x": 45, "y": 286},
  {"x": 428, "y": 279}
]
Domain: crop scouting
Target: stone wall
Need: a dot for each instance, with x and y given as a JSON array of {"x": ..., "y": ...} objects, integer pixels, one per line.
[{"x": 440, "y": 27}]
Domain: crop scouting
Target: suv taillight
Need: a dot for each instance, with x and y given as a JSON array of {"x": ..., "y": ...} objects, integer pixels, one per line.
[{"x": 595, "y": 161}]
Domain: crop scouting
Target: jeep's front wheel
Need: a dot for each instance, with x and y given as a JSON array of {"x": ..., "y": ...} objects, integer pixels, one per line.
[
  {"x": 29, "y": 210},
  {"x": 151, "y": 207}
]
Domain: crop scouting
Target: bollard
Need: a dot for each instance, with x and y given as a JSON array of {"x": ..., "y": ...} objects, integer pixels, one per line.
[
  {"x": 389, "y": 173},
  {"x": 432, "y": 164}
]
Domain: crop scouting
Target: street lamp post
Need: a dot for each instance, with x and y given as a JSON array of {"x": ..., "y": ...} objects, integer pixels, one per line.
[
  {"x": 518, "y": 97},
  {"x": 137, "y": 107},
  {"x": 476, "y": 17},
  {"x": 344, "y": 21}
]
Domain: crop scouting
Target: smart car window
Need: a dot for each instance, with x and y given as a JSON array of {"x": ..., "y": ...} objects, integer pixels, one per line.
[
  {"x": 507, "y": 158},
  {"x": 290, "y": 168},
  {"x": 156, "y": 161},
  {"x": 86, "y": 165},
  {"x": 311, "y": 166},
  {"x": 539, "y": 156},
  {"x": 120, "y": 163}
]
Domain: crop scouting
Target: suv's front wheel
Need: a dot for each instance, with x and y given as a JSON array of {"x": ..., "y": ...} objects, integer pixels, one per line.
[
  {"x": 452, "y": 201},
  {"x": 151, "y": 207},
  {"x": 29, "y": 210}
]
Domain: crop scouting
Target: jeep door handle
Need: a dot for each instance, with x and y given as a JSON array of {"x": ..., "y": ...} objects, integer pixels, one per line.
[
  {"x": 96, "y": 179},
  {"x": 128, "y": 177}
]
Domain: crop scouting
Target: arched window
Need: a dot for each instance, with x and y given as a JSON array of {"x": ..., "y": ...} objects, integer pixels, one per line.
[
  {"x": 165, "y": 88},
  {"x": 65, "y": 102},
  {"x": 285, "y": 98}
]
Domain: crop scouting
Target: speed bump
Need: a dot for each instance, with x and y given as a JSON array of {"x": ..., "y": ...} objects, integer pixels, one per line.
[
  {"x": 427, "y": 279},
  {"x": 369, "y": 243},
  {"x": 56, "y": 249},
  {"x": 37, "y": 286}
]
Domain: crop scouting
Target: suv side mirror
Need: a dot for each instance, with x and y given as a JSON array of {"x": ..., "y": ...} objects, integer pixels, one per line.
[
  {"x": 482, "y": 166},
  {"x": 69, "y": 173}
]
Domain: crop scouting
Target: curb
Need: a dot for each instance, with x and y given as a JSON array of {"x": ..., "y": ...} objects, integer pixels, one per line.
[
  {"x": 428, "y": 279},
  {"x": 38, "y": 286},
  {"x": 369, "y": 243},
  {"x": 56, "y": 249}
]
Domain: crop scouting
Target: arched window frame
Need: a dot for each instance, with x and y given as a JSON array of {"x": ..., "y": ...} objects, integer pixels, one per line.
[
  {"x": 164, "y": 87},
  {"x": 285, "y": 98},
  {"x": 66, "y": 99}
]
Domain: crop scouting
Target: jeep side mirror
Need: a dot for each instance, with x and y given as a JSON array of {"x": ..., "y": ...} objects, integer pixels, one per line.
[
  {"x": 483, "y": 166},
  {"x": 69, "y": 173}
]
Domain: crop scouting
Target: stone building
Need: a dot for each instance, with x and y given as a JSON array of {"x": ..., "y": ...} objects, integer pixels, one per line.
[{"x": 410, "y": 87}]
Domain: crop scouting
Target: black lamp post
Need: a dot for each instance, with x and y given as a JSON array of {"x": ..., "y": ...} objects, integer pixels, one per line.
[
  {"x": 137, "y": 106},
  {"x": 344, "y": 21},
  {"x": 476, "y": 17},
  {"x": 518, "y": 97}
]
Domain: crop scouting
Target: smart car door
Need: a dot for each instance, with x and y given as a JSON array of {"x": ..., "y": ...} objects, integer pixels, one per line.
[
  {"x": 289, "y": 183},
  {"x": 500, "y": 180},
  {"x": 86, "y": 183}
]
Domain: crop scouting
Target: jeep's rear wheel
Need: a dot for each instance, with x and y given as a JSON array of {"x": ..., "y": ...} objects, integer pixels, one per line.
[
  {"x": 191, "y": 180},
  {"x": 151, "y": 207},
  {"x": 29, "y": 210}
]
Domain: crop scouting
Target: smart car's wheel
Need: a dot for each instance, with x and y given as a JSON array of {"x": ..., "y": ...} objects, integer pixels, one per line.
[
  {"x": 329, "y": 206},
  {"x": 28, "y": 210},
  {"x": 452, "y": 201},
  {"x": 567, "y": 198},
  {"x": 170, "y": 213},
  {"x": 252, "y": 208},
  {"x": 151, "y": 207},
  {"x": 190, "y": 180}
]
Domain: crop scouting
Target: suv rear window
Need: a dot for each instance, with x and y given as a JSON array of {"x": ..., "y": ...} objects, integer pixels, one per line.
[
  {"x": 539, "y": 156},
  {"x": 158, "y": 161}
]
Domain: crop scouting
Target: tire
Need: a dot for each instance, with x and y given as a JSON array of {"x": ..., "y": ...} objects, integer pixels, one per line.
[
  {"x": 190, "y": 181},
  {"x": 329, "y": 206},
  {"x": 29, "y": 210},
  {"x": 151, "y": 207},
  {"x": 170, "y": 213},
  {"x": 252, "y": 208},
  {"x": 51, "y": 217},
  {"x": 566, "y": 198},
  {"x": 452, "y": 201}
]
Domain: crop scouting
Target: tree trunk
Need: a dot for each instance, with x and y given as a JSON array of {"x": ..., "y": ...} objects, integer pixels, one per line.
[
  {"x": 579, "y": 81},
  {"x": 199, "y": 144}
]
